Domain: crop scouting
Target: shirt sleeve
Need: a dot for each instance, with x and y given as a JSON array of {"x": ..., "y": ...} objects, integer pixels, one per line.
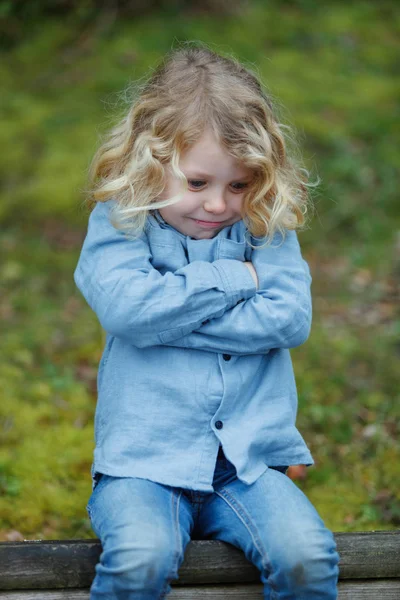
[
  {"x": 277, "y": 316},
  {"x": 132, "y": 300}
]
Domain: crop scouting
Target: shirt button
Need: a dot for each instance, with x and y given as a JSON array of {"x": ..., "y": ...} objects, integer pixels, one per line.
[
  {"x": 226, "y": 356},
  {"x": 219, "y": 424}
]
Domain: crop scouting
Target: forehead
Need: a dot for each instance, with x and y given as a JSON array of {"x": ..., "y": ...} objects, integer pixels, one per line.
[{"x": 208, "y": 157}]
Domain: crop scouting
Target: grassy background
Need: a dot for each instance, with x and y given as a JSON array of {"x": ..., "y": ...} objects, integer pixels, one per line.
[{"x": 333, "y": 67}]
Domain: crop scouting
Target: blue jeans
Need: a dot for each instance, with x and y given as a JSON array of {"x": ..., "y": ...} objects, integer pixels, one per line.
[{"x": 144, "y": 528}]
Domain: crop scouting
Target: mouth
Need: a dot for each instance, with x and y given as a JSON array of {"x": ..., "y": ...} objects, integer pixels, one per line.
[{"x": 209, "y": 223}]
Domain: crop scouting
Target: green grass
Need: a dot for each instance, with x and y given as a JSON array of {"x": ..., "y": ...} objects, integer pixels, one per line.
[{"x": 333, "y": 69}]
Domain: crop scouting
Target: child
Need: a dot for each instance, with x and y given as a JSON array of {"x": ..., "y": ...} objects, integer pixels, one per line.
[{"x": 192, "y": 265}]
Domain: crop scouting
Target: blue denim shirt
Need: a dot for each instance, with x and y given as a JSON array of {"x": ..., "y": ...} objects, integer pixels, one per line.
[{"x": 195, "y": 355}]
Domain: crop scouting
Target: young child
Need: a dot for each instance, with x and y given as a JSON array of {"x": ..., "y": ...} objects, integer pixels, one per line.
[{"x": 193, "y": 267}]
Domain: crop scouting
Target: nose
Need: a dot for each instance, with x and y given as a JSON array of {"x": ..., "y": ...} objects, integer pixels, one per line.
[{"x": 215, "y": 203}]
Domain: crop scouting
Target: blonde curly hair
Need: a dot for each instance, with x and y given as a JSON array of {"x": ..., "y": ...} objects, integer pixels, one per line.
[{"x": 193, "y": 89}]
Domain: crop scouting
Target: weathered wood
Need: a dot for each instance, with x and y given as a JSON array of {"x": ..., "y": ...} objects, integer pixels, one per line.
[
  {"x": 48, "y": 564},
  {"x": 348, "y": 590},
  {"x": 369, "y": 554},
  {"x": 70, "y": 564},
  {"x": 383, "y": 589}
]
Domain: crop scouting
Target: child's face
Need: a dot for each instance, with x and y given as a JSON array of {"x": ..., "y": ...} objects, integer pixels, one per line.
[{"x": 217, "y": 184}]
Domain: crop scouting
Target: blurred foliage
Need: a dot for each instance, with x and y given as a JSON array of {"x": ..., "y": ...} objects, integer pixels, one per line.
[
  {"x": 17, "y": 16},
  {"x": 333, "y": 70}
]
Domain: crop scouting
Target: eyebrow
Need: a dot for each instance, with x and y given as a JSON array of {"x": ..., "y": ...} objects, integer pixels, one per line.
[
  {"x": 201, "y": 175},
  {"x": 196, "y": 174}
]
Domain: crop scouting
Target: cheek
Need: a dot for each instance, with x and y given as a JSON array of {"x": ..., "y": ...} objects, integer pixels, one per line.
[
  {"x": 238, "y": 203},
  {"x": 179, "y": 209},
  {"x": 188, "y": 204},
  {"x": 171, "y": 189}
]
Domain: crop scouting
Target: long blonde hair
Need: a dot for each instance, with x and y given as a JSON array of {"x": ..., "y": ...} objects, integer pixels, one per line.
[{"x": 194, "y": 88}]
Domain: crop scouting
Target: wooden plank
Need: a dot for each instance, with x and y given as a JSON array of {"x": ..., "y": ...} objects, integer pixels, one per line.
[
  {"x": 70, "y": 563},
  {"x": 47, "y": 565},
  {"x": 348, "y": 590},
  {"x": 380, "y": 589},
  {"x": 369, "y": 554}
]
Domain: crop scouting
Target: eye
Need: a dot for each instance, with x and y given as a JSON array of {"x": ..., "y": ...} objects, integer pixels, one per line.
[
  {"x": 239, "y": 186},
  {"x": 196, "y": 184}
]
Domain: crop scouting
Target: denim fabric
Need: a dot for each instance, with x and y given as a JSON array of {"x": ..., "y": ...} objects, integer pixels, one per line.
[
  {"x": 195, "y": 355},
  {"x": 145, "y": 528}
]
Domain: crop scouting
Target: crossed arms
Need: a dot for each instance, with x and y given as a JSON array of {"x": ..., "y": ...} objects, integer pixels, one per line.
[{"x": 214, "y": 307}]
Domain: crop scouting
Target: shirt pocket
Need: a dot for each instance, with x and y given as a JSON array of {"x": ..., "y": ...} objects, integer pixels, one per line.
[
  {"x": 233, "y": 250},
  {"x": 167, "y": 257}
]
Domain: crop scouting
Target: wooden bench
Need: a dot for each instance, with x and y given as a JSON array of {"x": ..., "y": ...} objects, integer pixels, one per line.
[{"x": 61, "y": 570}]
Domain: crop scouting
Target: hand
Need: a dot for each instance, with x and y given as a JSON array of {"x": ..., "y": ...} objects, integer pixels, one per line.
[{"x": 253, "y": 272}]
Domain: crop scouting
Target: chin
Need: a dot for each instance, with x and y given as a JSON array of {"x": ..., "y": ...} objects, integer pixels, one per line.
[{"x": 204, "y": 235}]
